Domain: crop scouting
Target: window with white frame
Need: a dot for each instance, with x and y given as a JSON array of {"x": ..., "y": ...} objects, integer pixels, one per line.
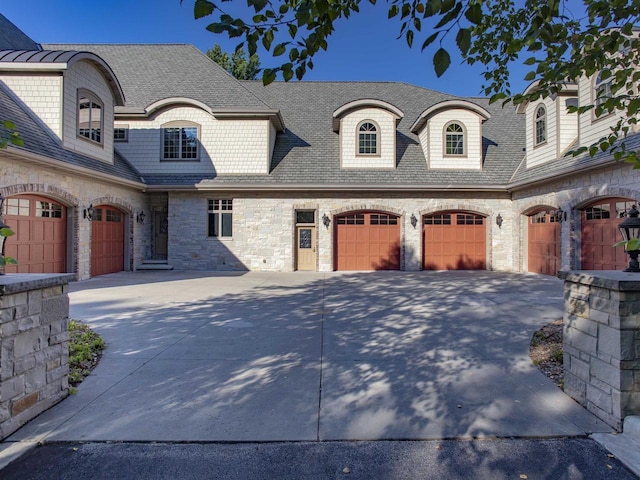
[
  {"x": 368, "y": 138},
  {"x": 220, "y": 222},
  {"x": 540, "y": 125},
  {"x": 121, "y": 133},
  {"x": 454, "y": 141},
  {"x": 180, "y": 141},
  {"x": 602, "y": 89},
  {"x": 90, "y": 116}
]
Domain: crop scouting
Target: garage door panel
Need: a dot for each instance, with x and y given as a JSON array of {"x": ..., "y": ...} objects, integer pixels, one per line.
[
  {"x": 107, "y": 241},
  {"x": 366, "y": 241},
  {"x": 451, "y": 244}
]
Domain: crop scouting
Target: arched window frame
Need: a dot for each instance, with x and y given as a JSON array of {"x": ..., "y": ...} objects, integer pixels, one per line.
[
  {"x": 181, "y": 153},
  {"x": 89, "y": 105},
  {"x": 540, "y": 125},
  {"x": 452, "y": 141},
  {"x": 368, "y": 141}
]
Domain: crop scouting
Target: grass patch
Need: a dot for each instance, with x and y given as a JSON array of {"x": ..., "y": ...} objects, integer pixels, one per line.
[{"x": 85, "y": 350}]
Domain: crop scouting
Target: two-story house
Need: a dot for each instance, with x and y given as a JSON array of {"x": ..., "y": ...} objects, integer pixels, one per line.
[{"x": 139, "y": 153}]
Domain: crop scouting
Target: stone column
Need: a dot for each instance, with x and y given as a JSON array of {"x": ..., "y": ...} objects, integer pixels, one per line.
[
  {"x": 602, "y": 342},
  {"x": 34, "y": 346}
]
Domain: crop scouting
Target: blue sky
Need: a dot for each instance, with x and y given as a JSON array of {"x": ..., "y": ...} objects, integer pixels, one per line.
[{"x": 363, "y": 48}]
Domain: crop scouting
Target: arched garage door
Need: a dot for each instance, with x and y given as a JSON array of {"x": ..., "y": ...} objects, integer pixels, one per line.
[
  {"x": 107, "y": 240},
  {"x": 600, "y": 222},
  {"x": 454, "y": 241},
  {"x": 40, "y": 241},
  {"x": 544, "y": 242},
  {"x": 367, "y": 241}
]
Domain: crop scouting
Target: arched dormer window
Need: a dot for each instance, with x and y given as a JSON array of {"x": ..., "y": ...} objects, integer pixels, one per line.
[
  {"x": 368, "y": 138},
  {"x": 601, "y": 91},
  {"x": 540, "y": 125},
  {"x": 454, "y": 139},
  {"x": 180, "y": 141},
  {"x": 90, "y": 116}
]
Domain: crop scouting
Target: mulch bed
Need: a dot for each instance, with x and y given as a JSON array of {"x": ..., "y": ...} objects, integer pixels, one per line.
[{"x": 546, "y": 351}]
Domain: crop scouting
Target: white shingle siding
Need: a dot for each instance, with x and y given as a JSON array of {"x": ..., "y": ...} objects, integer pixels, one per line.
[
  {"x": 548, "y": 150},
  {"x": 83, "y": 75},
  {"x": 226, "y": 146},
  {"x": 592, "y": 129},
  {"x": 433, "y": 147},
  {"x": 386, "y": 123},
  {"x": 41, "y": 93},
  {"x": 568, "y": 123}
]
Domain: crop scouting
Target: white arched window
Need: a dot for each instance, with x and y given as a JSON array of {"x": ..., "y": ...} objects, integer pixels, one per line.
[
  {"x": 602, "y": 89},
  {"x": 454, "y": 139},
  {"x": 90, "y": 121},
  {"x": 368, "y": 138},
  {"x": 540, "y": 125}
]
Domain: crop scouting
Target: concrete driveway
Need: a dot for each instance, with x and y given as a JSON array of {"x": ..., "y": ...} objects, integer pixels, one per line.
[{"x": 314, "y": 356}]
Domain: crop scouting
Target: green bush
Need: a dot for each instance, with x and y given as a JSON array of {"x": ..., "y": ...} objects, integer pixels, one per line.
[{"x": 85, "y": 349}]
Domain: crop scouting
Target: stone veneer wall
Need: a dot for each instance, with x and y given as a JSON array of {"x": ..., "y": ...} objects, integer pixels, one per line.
[
  {"x": 34, "y": 346},
  {"x": 602, "y": 342}
]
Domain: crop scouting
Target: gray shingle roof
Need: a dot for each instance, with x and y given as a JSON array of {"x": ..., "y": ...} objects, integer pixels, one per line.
[
  {"x": 12, "y": 38},
  {"x": 38, "y": 141},
  {"x": 148, "y": 73},
  {"x": 308, "y": 151}
]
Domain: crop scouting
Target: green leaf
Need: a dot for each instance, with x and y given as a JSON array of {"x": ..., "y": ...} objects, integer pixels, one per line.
[
  {"x": 6, "y": 232},
  {"x": 441, "y": 61},
  {"x": 430, "y": 40},
  {"x": 474, "y": 13},
  {"x": 463, "y": 39},
  {"x": 202, "y": 8},
  {"x": 292, "y": 30},
  {"x": 530, "y": 76},
  {"x": 8, "y": 124},
  {"x": 409, "y": 37},
  {"x": 393, "y": 11},
  {"x": 268, "y": 76},
  {"x": 280, "y": 49}
]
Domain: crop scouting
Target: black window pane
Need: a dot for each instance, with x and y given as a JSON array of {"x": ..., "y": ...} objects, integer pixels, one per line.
[
  {"x": 213, "y": 224},
  {"x": 305, "y": 217}
]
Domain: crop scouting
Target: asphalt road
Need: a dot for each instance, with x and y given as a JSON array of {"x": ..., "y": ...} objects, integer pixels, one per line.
[{"x": 555, "y": 459}]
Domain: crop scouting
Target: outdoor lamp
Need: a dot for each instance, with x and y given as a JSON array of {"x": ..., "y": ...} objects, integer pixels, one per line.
[
  {"x": 140, "y": 217},
  {"x": 89, "y": 212},
  {"x": 499, "y": 221},
  {"x": 326, "y": 220},
  {"x": 561, "y": 215},
  {"x": 414, "y": 220},
  {"x": 630, "y": 229}
]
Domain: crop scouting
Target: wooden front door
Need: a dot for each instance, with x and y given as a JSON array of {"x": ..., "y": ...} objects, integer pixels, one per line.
[
  {"x": 107, "y": 240},
  {"x": 160, "y": 235},
  {"x": 306, "y": 248}
]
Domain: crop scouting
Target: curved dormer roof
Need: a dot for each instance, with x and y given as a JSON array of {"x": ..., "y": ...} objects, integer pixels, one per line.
[
  {"x": 364, "y": 103},
  {"x": 448, "y": 105},
  {"x": 51, "y": 60},
  {"x": 570, "y": 88}
]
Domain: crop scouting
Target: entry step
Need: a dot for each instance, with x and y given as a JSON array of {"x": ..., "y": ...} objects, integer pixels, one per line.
[{"x": 155, "y": 265}]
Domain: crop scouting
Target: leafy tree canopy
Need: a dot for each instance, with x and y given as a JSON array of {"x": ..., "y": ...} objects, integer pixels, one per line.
[
  {"x": 237, "y": 65},
  {"x": 8, "y": 134},
  {"x": 560, "y": 40}
]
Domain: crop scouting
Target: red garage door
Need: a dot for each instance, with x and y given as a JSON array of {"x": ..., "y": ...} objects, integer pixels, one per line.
[
  {"x": 367, "y": 241},
  {"x": 107, "y": 241},
  {"x": 544, "y": 242},
  {"x": 600, "y": 222},
  {"x": 40, "y": 241},
  {"x": 454, "y": 241}
]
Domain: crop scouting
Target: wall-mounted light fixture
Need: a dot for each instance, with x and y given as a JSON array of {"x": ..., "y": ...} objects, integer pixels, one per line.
[
  {"x": 630, "y": 229},
  {"x": 140, "y": 217},
  {"x": 561, "y": 215},
  {"x": 499, "y": 221},
  {"x": 88, "y": 213},
  {"x": 326, "y": 221},
  {"x": 414, "y": 220}
]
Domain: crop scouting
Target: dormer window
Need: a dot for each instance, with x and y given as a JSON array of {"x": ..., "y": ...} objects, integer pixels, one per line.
[
  {"x": 368, "y": 138},
  {"x": 454, "y": 141},
  {"x": 180, "y": 141},
  {"x": 90, "y": 116},
  {"x": 602, "y": 90},
  {"x": 540, "y": 125}
]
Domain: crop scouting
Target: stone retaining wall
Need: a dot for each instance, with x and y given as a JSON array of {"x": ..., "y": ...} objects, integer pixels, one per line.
[
  {"x": 34, "y": 346},
  {"x": 602, "y": 342}
]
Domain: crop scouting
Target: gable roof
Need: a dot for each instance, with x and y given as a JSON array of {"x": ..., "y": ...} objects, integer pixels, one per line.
[
  {"x": 12, "y": 38},
  {"x": 149, "y": 73},
  {"x": 41, "y": 143}
]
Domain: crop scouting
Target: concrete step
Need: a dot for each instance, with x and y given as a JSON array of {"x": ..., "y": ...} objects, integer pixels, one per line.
[
  {"x": 631, "y": 426},
  {"x": 154, "y": 266},
  {"x": 626, "y": 445},
  {"x": 152, "y": 261}
]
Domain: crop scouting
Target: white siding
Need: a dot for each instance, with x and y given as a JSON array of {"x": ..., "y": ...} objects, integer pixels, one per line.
[
  {"x": 472, "y": 124},
  {"x": 226, "y": 146},
  {"x": 568, "y": 123},
  {"x": 83, "y": 75},
  {"x": 546, "y": 151},
  {"x": 42, "y": 94},
  {"x": 592, "y": 129},
  {"x": 349, "y": 139}
]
